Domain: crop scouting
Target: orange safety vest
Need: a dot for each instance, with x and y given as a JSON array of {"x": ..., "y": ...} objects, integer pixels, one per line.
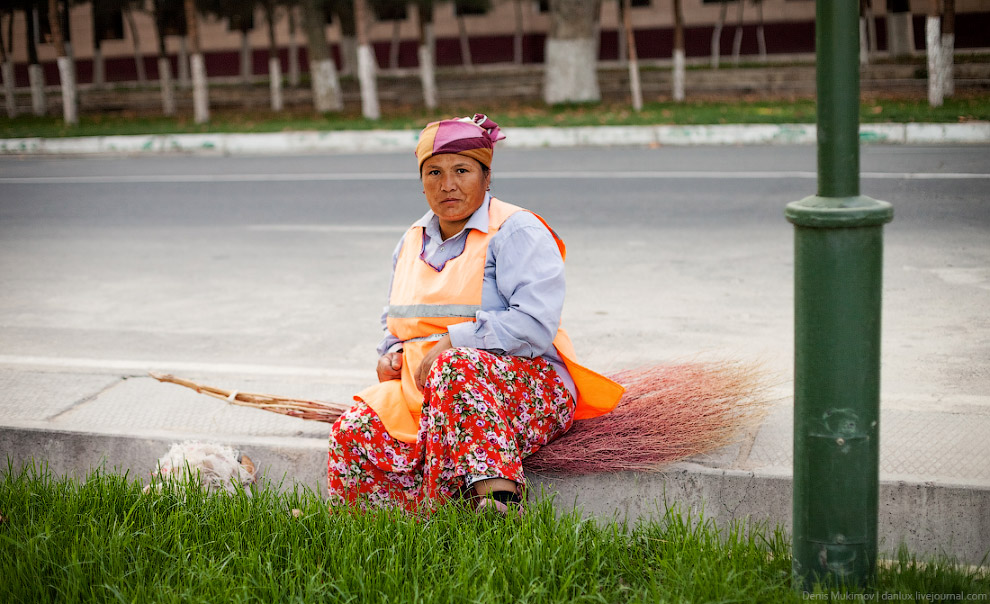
[{"x": 425, "y": 302}]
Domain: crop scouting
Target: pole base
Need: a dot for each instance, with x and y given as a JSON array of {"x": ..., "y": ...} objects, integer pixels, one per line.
[{"x": 839, "y": 212}]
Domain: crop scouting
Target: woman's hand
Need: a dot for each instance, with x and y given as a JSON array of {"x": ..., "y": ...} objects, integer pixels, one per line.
[
  {"x": 390, "y": 366},
  {"x": 424, "y": 368}
]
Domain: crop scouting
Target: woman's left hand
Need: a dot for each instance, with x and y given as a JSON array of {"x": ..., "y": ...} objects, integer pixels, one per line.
[{"x": 424, "y": 368}]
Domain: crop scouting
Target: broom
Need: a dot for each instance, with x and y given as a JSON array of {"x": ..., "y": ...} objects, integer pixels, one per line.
[
  {"x": 321, "y": 411},
  {"x": 667, "y": 413}
]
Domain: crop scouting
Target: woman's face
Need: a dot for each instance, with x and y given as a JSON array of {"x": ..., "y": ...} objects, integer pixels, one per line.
[{"x": 455, "y": 187}]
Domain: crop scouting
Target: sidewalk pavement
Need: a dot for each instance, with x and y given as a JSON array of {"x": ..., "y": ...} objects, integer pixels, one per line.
[
  {"x": 376, "y": 141},
  {"x": 935, "y": 454}
]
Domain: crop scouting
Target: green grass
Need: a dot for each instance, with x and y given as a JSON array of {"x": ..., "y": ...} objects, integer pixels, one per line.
[
  {"x": 696, "y": 112},
  {"x": 103, "y": 540}
]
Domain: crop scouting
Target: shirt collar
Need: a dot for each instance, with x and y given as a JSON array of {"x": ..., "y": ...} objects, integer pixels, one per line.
[{"x": 478, "y": 221}]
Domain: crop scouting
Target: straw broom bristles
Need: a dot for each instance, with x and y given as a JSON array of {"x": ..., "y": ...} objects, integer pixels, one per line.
[{"x": 669, "y": 412}]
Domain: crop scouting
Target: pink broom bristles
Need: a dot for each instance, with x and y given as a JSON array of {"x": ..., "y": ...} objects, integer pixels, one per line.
[{"x": 669, "y": 412}]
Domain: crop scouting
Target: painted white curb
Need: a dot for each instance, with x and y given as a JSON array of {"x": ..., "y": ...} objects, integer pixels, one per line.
[{"x": 352, "y": 141}]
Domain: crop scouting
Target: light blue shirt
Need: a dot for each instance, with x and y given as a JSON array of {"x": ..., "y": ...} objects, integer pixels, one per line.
[{"x": 522, "y": 295}]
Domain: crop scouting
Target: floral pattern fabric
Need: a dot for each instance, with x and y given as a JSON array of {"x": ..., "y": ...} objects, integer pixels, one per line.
[{"x": 482, "y": 415}]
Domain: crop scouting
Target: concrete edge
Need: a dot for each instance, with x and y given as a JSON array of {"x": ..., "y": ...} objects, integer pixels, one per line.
[
  {"x": 378, "y": 141},
  {"x": 930, "y": 519}
]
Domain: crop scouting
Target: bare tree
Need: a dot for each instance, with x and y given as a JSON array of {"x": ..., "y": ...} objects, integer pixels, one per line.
[
  {"x": 635, "y": 90},
  {"x": 366, "y": 64},
  {"x": 948, "y": 46},
  {"x": 66, "y": 70},
  {"x": 679, "y": 72},
  {"x": 293, "y": 44},
  {"x": 7, "y": 65},
  {"x": 737, "y": 38},
  {"x": 323, "y": 72},
  {"x": 427, "y": 73},
  {"x": 240, "y": 17},
  {"x": 570, "y": 68},
  {"x": 867, "y": 32},
  {"x": 761, "y": 39},
  {"x": 900, "y": 29},
  {"x": 717, "y": 33},
  {"x": 343, "y": 11},
  {"x": 131, "y": 8},
  {"x": 517, "y": 38},
  {"x": 36, "y": 75},
  {"x": 274, "y": 62},
  {"x": 393, "y": 48},
  {"x": 169, "y": 16},
  {"x": 936, "y": 66},
  {"x": 201, "y": 92}
]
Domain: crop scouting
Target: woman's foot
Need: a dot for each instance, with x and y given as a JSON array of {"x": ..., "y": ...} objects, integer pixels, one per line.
[{"x": 497, "y": 495}]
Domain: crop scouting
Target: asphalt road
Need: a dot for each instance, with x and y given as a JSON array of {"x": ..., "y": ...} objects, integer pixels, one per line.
[{"x": 253, "y": 263}]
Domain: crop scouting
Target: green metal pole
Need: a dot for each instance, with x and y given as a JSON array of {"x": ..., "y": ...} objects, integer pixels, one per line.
[{"x": 838, "y": 275}]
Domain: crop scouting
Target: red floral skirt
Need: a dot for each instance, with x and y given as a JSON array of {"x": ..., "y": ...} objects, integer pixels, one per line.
[{"x": 482, "y": 415}]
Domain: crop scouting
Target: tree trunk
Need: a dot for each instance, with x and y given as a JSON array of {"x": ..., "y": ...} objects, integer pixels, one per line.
[
  {"x": 871, "y": 27},
  {"x": 183, "y": 62},
  {"x": 867, "y": 32},
  {"x": 900, "y": 29},
  {"x": 8, "y": 88},
  {"x": 142, "y": 74},
  {"x": 293, "y": 50},
  {"x": 348, "y": 54},
  {"x": 348, "y": 37},
  {"x": 737, "y": 39},
  {"x": 761, "y": 39},
  {"x": 201, "y": 92},
  {"x": 99, "y": 65},
  {"x": 517, "y": 39},
  {"x": 36, "y": 80},
  {"x": 427, "y": 73},
  {"x": 679, "y": 71},
  {"x": 366, "y": 64},
  {"x": 570, "y": 69},
  {"x": 167, "y": 85},
  {"x": 635, "y": 91},
  {"x": 462, "y": 35},
  {"x": 322, "y": 71},
  {"x": 36, "y": 76},
  {"x": 621, "y": 53},
  {"x": 949, "y": 46},
  {"x": 717, "y": 35},
  {"x": 66, "y": 71},
  {"x": 393, "y": 48},
  {"x": 247, "y": 65},
  {"x": 165, "y": 80},
  {"x": 7, "y": 72},
  {"x": 936, "y": 66},
  {"x": 274, "y": 64}
]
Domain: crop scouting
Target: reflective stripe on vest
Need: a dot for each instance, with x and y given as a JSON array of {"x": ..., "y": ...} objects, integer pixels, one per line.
[
  {"x": 433, "y": 311},
  {"x": 425, "y": 302}
]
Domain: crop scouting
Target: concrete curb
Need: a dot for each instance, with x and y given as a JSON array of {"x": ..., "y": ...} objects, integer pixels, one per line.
[
  {"x": 931, "y": 519},
  {"x": 377, "y": 141}
]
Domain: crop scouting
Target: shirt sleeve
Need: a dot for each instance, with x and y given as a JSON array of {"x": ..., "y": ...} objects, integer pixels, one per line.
[
  {"x": 529, "y": 280},
  {"x": 390, "y": 343}
]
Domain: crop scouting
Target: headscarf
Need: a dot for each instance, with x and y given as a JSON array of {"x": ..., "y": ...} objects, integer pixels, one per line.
[{"x": 472, "y": 137}]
